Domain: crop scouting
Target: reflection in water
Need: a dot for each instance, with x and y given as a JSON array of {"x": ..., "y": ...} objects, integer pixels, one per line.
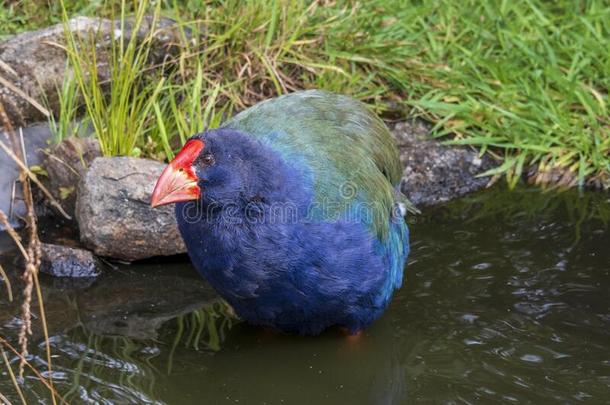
[
  {"x": 207, "y": 326},
  {"x": 507, "y": 298},
  {"x": 114, "y": 369},
  {"x": 120, "y": 369}
]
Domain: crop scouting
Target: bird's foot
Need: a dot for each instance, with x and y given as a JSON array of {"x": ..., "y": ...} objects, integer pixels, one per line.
[
  {"x": 266, "y": 332},
  {"x": 350, "y": 335}
]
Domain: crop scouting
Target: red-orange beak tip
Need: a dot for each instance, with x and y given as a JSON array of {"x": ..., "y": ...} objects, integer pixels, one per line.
[
  {"x": 178, "y": 181},
  {"x": 174, "y": 186}
]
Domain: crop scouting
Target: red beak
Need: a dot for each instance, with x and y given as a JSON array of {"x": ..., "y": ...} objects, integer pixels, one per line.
[{"x": 178, "y": 182}]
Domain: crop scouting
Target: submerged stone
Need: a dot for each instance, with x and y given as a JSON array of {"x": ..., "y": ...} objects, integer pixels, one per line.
[{"x": 64, "y": 261}]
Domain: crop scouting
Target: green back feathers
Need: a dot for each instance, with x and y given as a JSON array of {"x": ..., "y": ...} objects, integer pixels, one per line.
[{"x": 346, "y": 149}]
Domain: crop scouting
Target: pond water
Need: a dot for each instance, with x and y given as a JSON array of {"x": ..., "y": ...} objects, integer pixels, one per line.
[{"x": 507, "y": 298}]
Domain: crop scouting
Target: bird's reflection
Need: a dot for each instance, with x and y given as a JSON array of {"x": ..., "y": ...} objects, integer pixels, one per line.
[{"x": 152, "y": 336}]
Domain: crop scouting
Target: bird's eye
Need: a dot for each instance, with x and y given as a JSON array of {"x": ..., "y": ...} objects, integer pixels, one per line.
[{"x": 207, "y": 159}]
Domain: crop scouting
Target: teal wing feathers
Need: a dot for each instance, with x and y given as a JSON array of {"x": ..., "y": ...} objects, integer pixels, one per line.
[{"x": 345, "y": 150}]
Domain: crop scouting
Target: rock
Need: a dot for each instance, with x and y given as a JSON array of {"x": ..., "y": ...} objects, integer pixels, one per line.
[
  {"x": 114, "y": 214},
  {"x": 63, "y": 261},
  {"x": 435, "y": 173},
  {"x": 65, "y": 164},
  {"x": 35, "y": 62}
]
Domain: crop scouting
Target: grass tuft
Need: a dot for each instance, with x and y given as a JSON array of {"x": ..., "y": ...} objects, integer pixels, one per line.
[
  {"x": 119, "y": 115},
  {"x": 526, "y": 80}
]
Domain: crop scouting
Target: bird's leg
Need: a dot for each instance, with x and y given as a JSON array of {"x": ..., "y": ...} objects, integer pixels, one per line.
[
  {"x": 266, "y": 332},
  {"x": 351, "y": 336}
]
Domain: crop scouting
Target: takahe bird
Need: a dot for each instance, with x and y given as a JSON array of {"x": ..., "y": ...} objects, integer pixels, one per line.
[{"x": 291, "y": 210}]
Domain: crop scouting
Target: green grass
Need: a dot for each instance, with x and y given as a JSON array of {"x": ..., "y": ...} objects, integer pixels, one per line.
[
  {"x": 526, "y": 80},
  {"x": 23, "y": 15},
  {"x": 66, "y": 124},
  {"x": 529, "y": 78},
  {"x": 120, "y": 115}
]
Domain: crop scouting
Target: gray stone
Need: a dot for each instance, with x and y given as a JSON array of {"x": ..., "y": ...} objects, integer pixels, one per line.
[
  {"x": 65, "y": 164},
  {"x": 35, "y": 62},
  {"x": 435, "y": 173},
  {"x": 114, "y": 214},
  {"x": 63, "y": 261}
]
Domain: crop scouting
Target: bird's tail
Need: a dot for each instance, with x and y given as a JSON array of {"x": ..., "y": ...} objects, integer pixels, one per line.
[{"x": 405, "y": 205}]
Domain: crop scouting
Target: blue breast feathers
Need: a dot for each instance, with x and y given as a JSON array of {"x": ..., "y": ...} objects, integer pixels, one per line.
[{"x": 258, "y": 245}]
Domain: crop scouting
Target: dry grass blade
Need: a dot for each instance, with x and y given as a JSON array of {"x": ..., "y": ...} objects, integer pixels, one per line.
[
  {"x": 63, "y": 163},
  {"x": 27, "y": 292},
  {"x": 33, "y": 177},
  {"x": 24, "y": 96},
  {"x": 31, "y": 255},
  {"x": 40, "y": 377},
  {"x": 5, "y": 400},
  {"x": 26, "y": 313},
  {"x": 7, "y": 68},
  {"x": 7, "y": 281},
  {"x": 12, "y": 233},
  {"x": 13, "y": 378}
]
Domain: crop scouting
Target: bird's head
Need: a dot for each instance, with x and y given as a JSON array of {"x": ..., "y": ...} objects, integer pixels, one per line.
[{"x": 216, "y": 166}]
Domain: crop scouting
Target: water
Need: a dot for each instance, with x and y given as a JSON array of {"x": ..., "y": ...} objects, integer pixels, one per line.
[{"x": 507, "y": 299}]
